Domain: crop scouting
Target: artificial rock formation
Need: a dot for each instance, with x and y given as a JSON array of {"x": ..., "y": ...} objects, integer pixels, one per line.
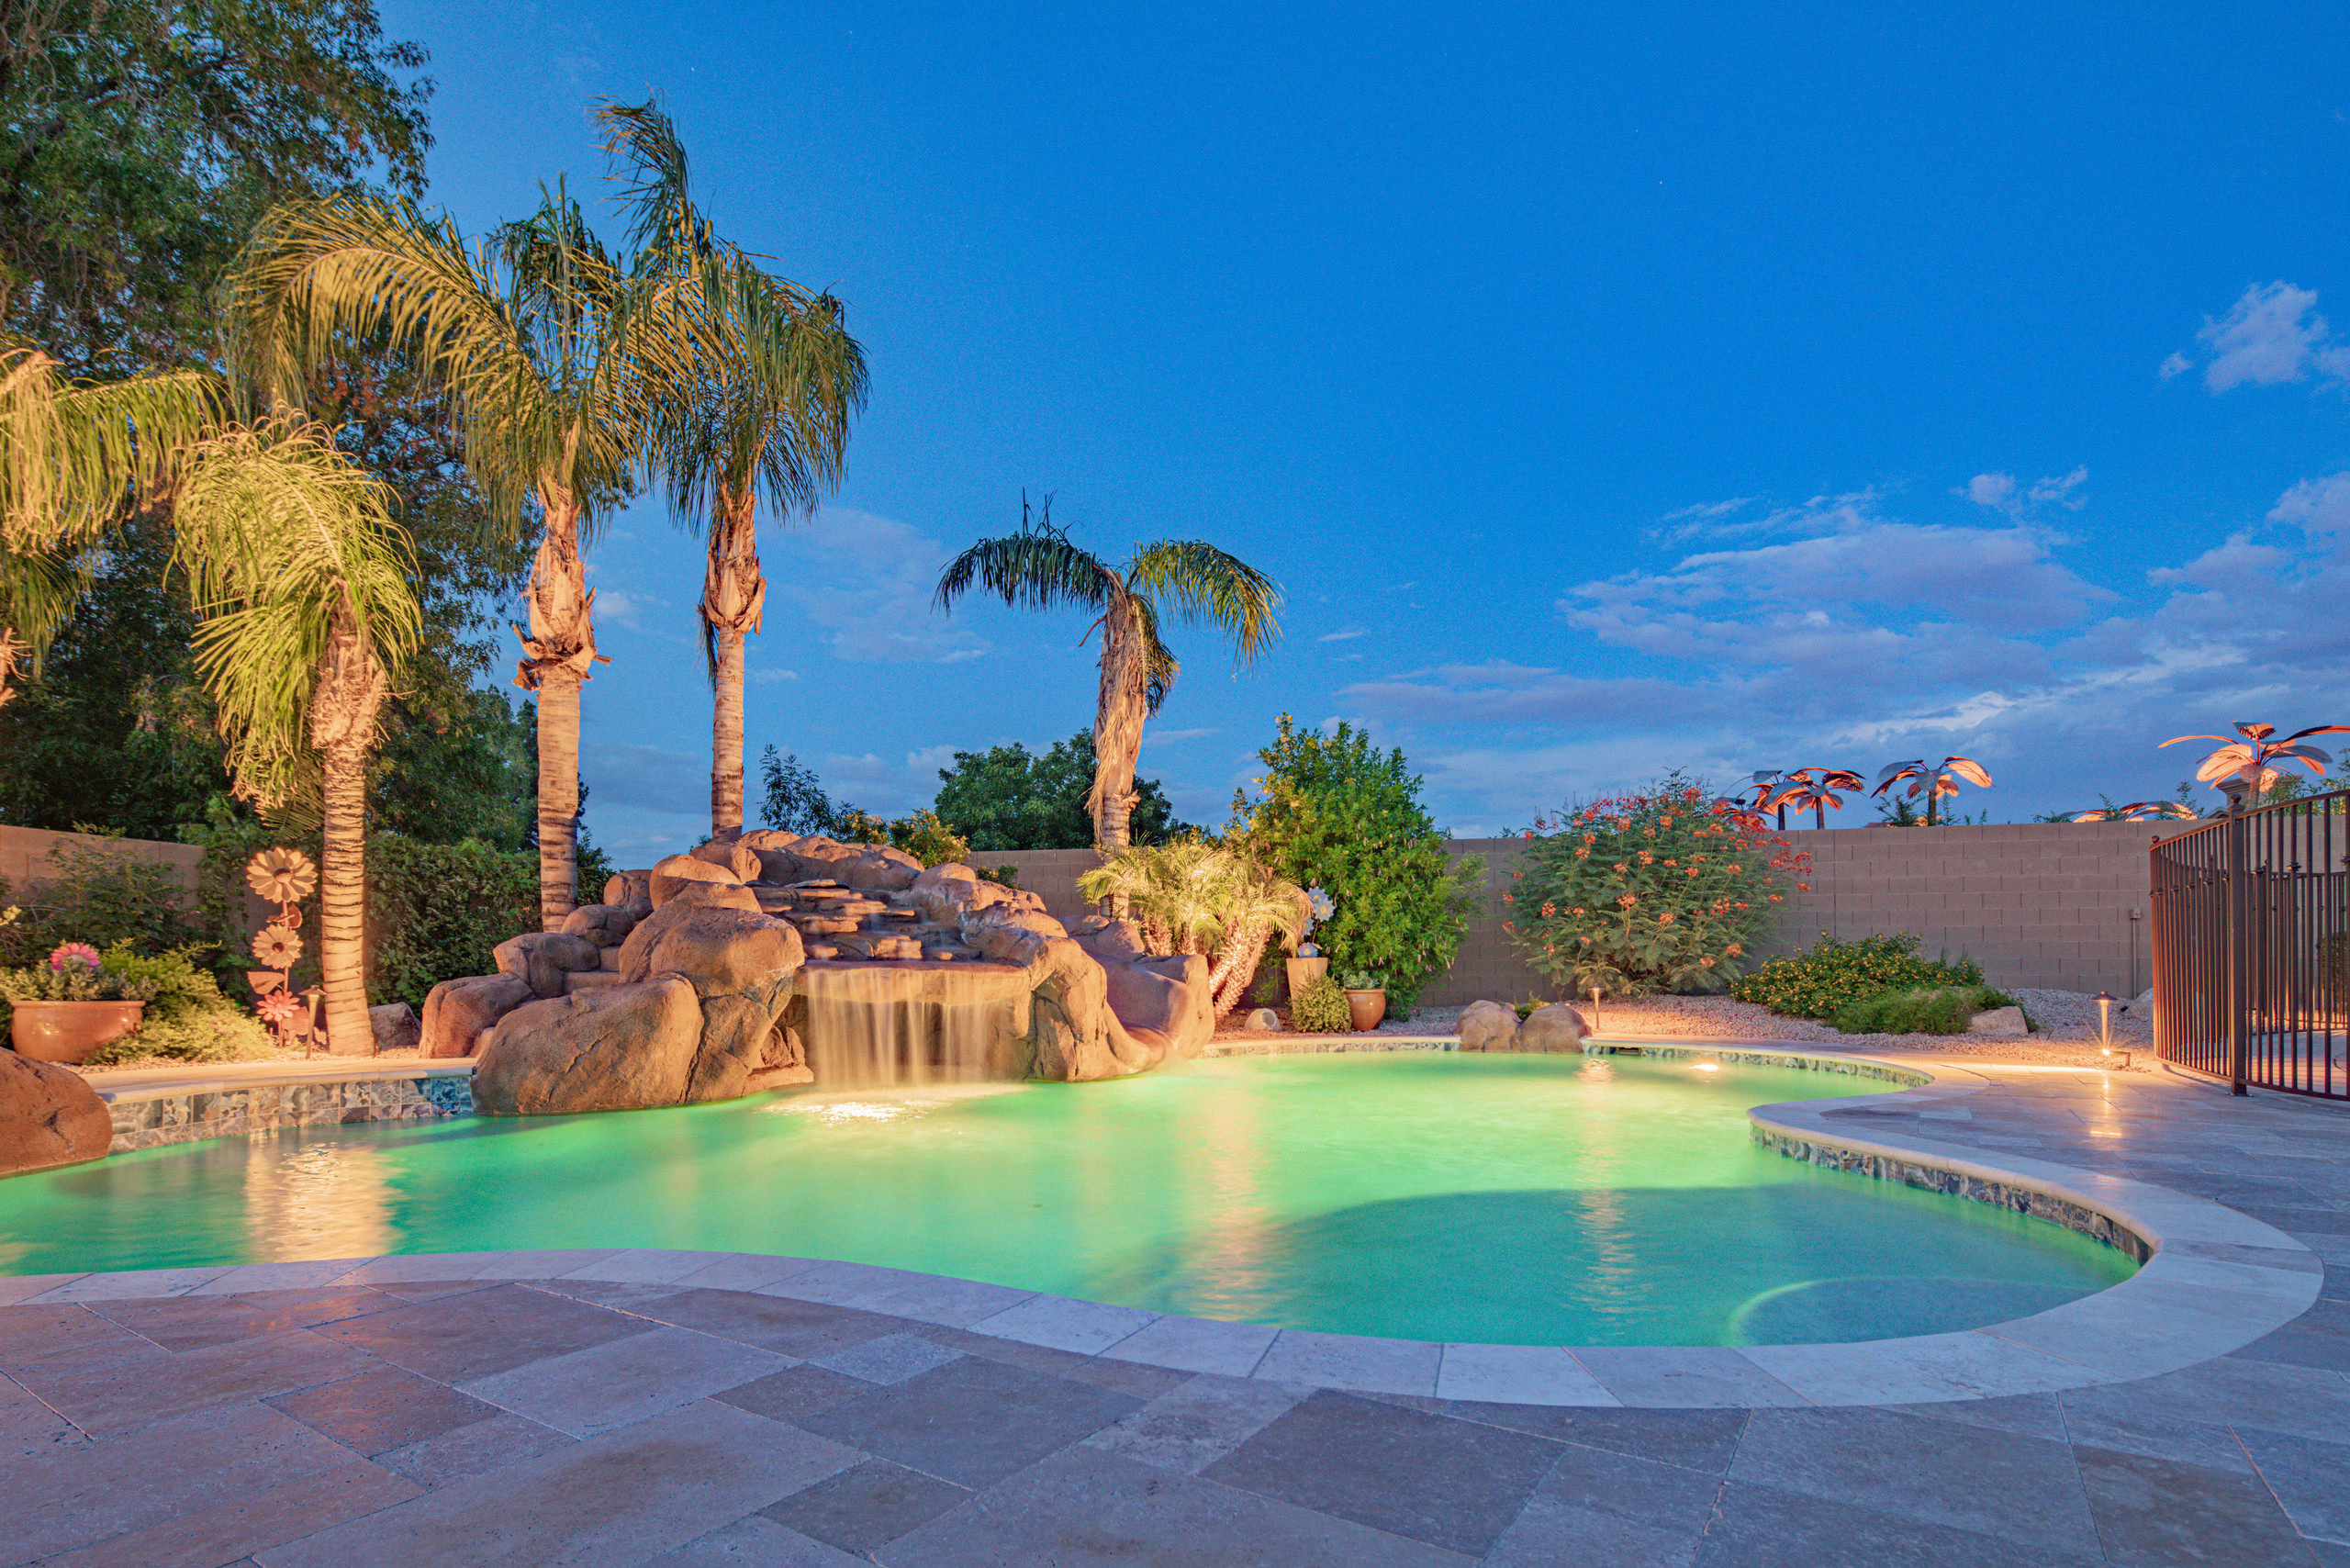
[
  {"x": 800, "y": 957},
  {"x": 49, "y": 1115},
  {"x": 1557, "y": 1028},
  {"x": 1488, "y": 1027}
]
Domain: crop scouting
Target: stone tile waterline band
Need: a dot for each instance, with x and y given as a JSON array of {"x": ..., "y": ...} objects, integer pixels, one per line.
[{"x": 2213, "y": 1281}]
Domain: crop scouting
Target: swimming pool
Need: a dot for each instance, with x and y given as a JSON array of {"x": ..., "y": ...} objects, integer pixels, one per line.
[{"x": 1605, "y": 1200}]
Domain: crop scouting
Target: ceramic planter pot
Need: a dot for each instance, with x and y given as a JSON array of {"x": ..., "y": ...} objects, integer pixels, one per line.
[
  {"x": 1368, "y": 1007},
  {"x": 70, "y": 1031},
  {"x": 1303, "y": 972}
]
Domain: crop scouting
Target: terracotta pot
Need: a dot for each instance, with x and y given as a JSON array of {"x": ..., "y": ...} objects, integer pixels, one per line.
[
  {"x": 70, "y": 1031},
  {"x": 1303, "y": 972},
  {"x": 1368, "y": 1007}
]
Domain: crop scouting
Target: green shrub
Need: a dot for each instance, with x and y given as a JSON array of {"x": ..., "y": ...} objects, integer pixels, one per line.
[
  {"x": 74, "y": 982},
  {"x": 1945, "y": 1010},
  {"x": 1835, "y": 974},
  {"x": 1340, "y": 815},
  {"x": 188, "y": 1019},
  {"x": 439, "y": 909},
  {"x": 1004, "y": 876},
  {"x": 1321, "y": 1009}
]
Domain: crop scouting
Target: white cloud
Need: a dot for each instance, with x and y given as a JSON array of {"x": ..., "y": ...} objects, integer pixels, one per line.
[
  {"x": 1349, "y": 635},
  {"x": 2272, "y": 334},
  {"x": 1846, "y": 514},
  {"x": 769, "y": 677},
  {"x": 1997, "y": 492},
  {"x": 868, "y": 580},
  {"x": 616, "y": 608},
  {"x": 1846, "y": 649},
  {"x": 1167, "y": 737}
]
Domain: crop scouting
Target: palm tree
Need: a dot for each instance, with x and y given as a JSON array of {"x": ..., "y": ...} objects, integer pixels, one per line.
[
  {"x": 1040, "y": 569},
  {"x": 292, "y": 558},
  {"x": 768, "y": 409},
  {"x": 1174, "y": 890},
  {"x": 557, "y": 358},
  {"x": 1252, "y": 907},
  {"x": 1936, "y": 783},
  {"x": 303, "y": 579}
]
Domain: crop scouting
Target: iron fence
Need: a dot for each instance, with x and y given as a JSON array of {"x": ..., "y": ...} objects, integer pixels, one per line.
[{"x": 2252, "y": 946}]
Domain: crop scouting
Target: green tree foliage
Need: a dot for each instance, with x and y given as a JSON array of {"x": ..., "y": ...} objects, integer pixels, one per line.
[
  {"x": 145, "y": 137},
  {"x": 437, "y": 910},
  {"x": 1008, "y": 798},
  {"x": 1655, "y": 890},
  {"x": 793, "y": 801},
  {"x": 1339, "y": 814},
  {"x": 1321, "y": 1009}
]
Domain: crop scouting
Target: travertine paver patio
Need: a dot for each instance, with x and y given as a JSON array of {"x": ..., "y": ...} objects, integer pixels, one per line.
[{"x": 425, "y": 1410}]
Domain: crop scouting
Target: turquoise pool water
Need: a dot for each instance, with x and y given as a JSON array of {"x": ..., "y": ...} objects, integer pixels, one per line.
[{"x": 1523, "y": 1200}]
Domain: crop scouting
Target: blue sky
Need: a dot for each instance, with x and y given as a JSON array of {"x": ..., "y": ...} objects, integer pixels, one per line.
[{"x": 1610, "y": 390}]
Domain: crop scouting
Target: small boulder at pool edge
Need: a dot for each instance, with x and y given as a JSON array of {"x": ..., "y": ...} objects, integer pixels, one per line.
[
  {"x": 49, "y": 1115},
  {"x": 1557, "y": 1028},
  {"x": 394, "y": 1027},
  {"x": 2006, "y": 1022},
  {"x": 1488, "y": 1027}
]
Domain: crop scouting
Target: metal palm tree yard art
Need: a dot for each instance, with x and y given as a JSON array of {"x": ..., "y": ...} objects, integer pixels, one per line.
[
  {"x": 2255, "y": 758},
  {"x": 285, "y": 877},
  {"x": 1936, "y": 783}
]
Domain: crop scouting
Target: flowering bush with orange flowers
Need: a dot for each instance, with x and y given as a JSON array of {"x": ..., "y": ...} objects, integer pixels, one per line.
[{"x": 1666, "y": 890}]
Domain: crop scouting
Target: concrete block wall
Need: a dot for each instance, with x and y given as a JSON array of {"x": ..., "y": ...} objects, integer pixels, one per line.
[
  {"x": 25, "y": 855},
  {"x": 2038, "y": 904}
]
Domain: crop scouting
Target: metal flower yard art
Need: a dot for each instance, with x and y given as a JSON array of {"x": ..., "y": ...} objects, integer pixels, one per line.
[
  {"x": 285, "y": 877},
  {"x": 2138, "y": 812},
  {"x": 1936, "y": 783},
  {"x": 1820, "y": 795},
  {"x": 2255, "y": 760}
]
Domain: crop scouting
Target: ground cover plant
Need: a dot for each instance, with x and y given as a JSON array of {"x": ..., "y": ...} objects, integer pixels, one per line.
[
  {"x": 1929, "y": 1010},
  {"x": 1835, "y": 975},
  {"x": 1664, "y": 890}
]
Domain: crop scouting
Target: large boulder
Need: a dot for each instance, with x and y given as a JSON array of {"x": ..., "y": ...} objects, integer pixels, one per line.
[
  {"x": 723, "y": 952},
  {"x": 605, "y": 924},
  {"x": 543, "y": 958},
  {"x": 677, "y": 871},
  {"x": 49, "y": 1115},
  {"x": 952, "y": 893},
  {"x": 394, "y": 1027},
  {"x": 787, "y": 858},
  {"x": 457, "y": 1011},
  {"x": 619, "y": 1047},
  {"x": 716, "y": 895},
  {"x": 730, "y": 855},
  {"x": 1557, "y": 1028},
  {"x": 1164, "y": 1003},
  {"x": 1488, "y": 1027},
  {"x": 627, "y": 889}
]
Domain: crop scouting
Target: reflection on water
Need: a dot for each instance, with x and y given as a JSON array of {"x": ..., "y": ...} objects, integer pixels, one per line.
[{"x": 323, "y": 1199}]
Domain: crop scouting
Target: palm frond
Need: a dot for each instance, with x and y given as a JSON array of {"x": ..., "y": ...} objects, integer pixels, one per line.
[
  {"x": 39, "y": 589},
  {"x": 285, "y": 540},
  {"x": 78, "y": 452},
  {"x": 1159, "y": 668},
  {"x": 1037, "y": 568},
  {"x": 1201, "y": 582}
]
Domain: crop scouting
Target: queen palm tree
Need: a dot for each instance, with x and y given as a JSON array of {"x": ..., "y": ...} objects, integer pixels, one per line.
[
  {"x": 556, "y": 356},
  {"x": 292, "y": 558},
  {"x": 766, "y": 411},
  {"x": 303, "y": 579},
  {"x": 1040, "y": 569}
]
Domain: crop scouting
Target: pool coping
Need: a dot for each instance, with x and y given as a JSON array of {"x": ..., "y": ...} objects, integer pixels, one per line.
[{"x": 2212, "y": 1282}]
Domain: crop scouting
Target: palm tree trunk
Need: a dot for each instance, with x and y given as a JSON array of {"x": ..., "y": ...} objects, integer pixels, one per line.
[
  {"x": 1117, "y": 732},
  {"x": 558, "y": 797},
  {"x": 726, "y": 738},
  {"x": 1232, "y": 973},
  {"x": 733, "y": 601},
  {"x": 559, "y": 648},
  {"x": 351, "y": 691}
]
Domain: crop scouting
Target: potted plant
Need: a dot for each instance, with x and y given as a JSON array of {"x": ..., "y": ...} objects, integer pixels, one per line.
[
  {"x": 1367, "y": 1000},
  {"x": 65, "y": 1009},
  {"x": 1311, "y": 963}
]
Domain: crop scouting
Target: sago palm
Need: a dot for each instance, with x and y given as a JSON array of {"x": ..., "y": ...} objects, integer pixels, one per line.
[
  {"x": 1041, "y": 568},
  {"x": 1172, "y": 889},
  {"x": 766, "y": 410},
  {"x": 555, "y": 356}
]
